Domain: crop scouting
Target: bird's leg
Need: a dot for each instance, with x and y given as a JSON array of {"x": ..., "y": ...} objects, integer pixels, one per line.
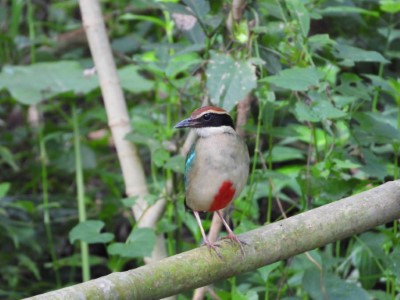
[
  {"x": 209, "y": 244},
  {"x": 231, "y": 235}
]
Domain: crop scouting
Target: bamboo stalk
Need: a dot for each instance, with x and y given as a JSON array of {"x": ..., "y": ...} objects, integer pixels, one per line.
[
  {"x": 265, "y": 245},
  {"x": 118, "y": 120}
]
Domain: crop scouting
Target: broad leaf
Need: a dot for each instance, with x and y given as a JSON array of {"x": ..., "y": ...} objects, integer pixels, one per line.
[
  {"x": 375, "y": 166},
  {"x": 140, "y": 243},
  {"x": 132, "y": 81},
  {"x": 390, "y": 6},
  {"x": 4, "y": 188},
  {"x": 229, "y": 80},
  {"x": 320, "y": 40},
  {"x": 7, "y": 157},
  {"x": 330, "y": 286},
  {"x": 283, "y": 153},
  {"x": 176, "y": 163},
  {"x": 317, "y": 111},
  {"x": 295, "y": 79},
  {"x": 89, "y": 232},
  {"x": 266, "y": 270},
  {"x": 34, "y": 83},
  {"x": 344, "y": 10},
  {"x": 298, "y": 9},
  {"x": 372, "y": 128},
  {"x": 199, "y": 7},
  {"x": 359, "y": 55},
  {"x": 366, "y": 257},
  {"x": 37, "y": 82}
]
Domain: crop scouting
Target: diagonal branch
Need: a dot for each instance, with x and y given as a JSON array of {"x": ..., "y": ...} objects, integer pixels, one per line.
[{"x": 265, "y": 245}]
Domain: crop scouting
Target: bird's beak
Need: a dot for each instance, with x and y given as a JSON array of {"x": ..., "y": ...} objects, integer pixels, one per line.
[{"x": 189, "y": 122}]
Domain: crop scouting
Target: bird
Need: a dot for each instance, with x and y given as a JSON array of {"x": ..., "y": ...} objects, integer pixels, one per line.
[{"x": 216, "y": 167}]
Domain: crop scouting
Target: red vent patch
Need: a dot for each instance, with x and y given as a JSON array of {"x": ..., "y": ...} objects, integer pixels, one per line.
[{"x": 224, "y": 196}]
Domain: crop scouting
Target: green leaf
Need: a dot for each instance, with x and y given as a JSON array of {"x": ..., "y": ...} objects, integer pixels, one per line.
[
  {"x": 375, "y": 166},
  {"x": 345, "y": 164},
  {"x": 317, "y": 111},
  {"x": 88, "y": 157},
  {"x": 390, "y": 6},
  {"x": 176, "y": 164},
  {"x": 143, "y": 125},
  {"x": 266, "y": 270},
  {"x": 164, "y": 226},
  {"x": 328, "y": 189},
  {"x": 319, "y": 41},
  {"x": 353, "y": 86},
  {"x": 394, "y": 261},
  {"x": 241, "y": 31},
  {"x": 390, "y": 33},
  {"x": 30, "y": 264},
  {"x": 365, "y": 256},
  {"x": 344, "y": 10},
  {"x": 298, "y": 9},
  {"x": 159, "y": 156},
  {"x": 229, "y": 80},
  {"x": 75, "y": 261},
  {"x": 34, "y": 83},
  {"x": 295, "y": 79},
  {"x": 331, "y": 286},
  {"x": 8, "y": 157},
  {"x": 374, "y": 129},
  {"x": 283, "y": 153},
  {"x": 132, "y": 81},
  {"x": 129, "y": 202},
  {"x": 199, "y": 7},
  {"x": 355, "y": 54},
  {"x": 89, "y": 232},
  {"x": 20, "y": 233},
  {"x": 4, "y": 188},
  {"x": 140, "y": 244},
  {"x": 184, "y": 62},
  {"x": 133, "y": 17}
]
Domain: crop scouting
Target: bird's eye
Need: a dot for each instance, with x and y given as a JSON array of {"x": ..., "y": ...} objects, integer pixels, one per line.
[{"x": 207, "y": 117}]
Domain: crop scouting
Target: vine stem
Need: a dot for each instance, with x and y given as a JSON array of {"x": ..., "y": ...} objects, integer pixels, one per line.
[{"x": 80, "y": 193}]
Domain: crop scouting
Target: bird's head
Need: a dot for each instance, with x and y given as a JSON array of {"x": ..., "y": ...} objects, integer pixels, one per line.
[{"x": 208, "y": 120}]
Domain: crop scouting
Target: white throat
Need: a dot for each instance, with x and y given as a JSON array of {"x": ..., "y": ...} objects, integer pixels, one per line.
[{"x": 207, "y": 131}]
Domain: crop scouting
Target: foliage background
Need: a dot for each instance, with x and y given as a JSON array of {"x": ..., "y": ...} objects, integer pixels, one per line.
[{"x": 323, "y": 124}]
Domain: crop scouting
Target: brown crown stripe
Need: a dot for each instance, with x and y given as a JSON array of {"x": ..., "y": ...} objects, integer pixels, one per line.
[{"x": 207, "y": 109}]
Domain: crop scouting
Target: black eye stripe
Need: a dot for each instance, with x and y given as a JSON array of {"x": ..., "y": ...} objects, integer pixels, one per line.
[
  {"x": 207, "y": 117},
  {"x": 210, "y": 119}
]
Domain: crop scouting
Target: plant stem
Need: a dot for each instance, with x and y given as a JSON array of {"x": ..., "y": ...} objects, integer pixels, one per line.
[
  {"x": 16, "y": 12},
  {"x": 256, "y": 149},
  {"x": 46, "y": 210},
  {"x": 381, "y": 66},
  {"x": 81, "y": 193},
  {"x": 31, "y": 26},
  {"x": 270, "y": 188}
]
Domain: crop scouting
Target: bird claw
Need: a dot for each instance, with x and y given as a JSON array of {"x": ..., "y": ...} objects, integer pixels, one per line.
[
  {"x": 235, "y": 239},
  {"x": 214, "y": 247}
]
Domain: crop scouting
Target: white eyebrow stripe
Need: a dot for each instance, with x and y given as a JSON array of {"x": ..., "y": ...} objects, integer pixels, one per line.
[{"x": 211, "y": 111}]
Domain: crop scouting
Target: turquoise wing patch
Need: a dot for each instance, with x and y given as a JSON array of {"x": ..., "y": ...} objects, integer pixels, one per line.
[{"x": 189, "y": 163}]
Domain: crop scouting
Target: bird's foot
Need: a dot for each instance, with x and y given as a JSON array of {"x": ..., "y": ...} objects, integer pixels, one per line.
[
  {"x": 235, "y": 239},
  {"x": 213, "y": 246}
]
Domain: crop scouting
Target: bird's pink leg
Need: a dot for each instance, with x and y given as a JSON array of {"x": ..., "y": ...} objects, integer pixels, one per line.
[
  {"x": 209, "y": 244},
  {"x": 231, "y": 235}
]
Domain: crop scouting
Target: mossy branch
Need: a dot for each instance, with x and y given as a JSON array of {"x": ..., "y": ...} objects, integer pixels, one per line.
[{"x": 265, "y": 245}]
